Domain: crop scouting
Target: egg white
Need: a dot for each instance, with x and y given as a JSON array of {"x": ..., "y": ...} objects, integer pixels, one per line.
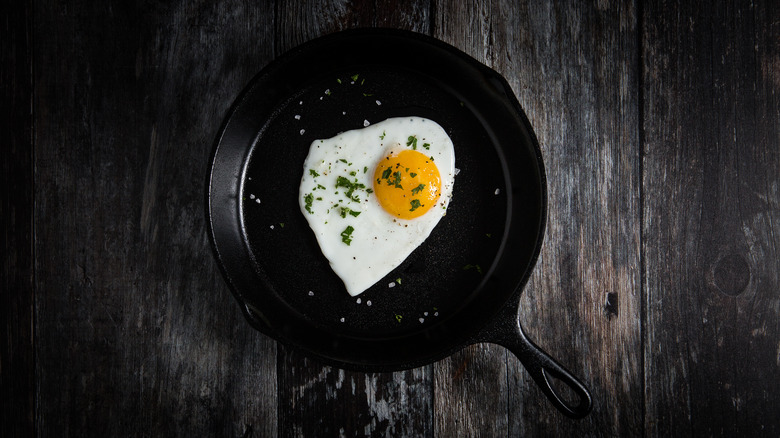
[{"x": 379, "y": 242}]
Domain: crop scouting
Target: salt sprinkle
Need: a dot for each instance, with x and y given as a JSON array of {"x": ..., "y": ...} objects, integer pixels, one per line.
[
  {"x": 297, "y": 117},
  {"x": 302, "y": 131},
  {"x": 425, "y": 313},
  {"x": 497, "y": 191},
  {"x": 272, "y": 227},
  {"x": 378, "y": 102},
  {"x": 422, "y": 320},
  {"x": 320, "y": 97},
  {"x": 391, "y": 284},
  {"x": 342, "y": 320},
  {"x": 251, "y": 196},
  {"x": 368, "y": 303},
  {"x": 311, "y": 293},
  {"x": 257, "y": 200},
  {"x": 300, "y": 103},
  {"x": 436, "y": 314},
  {"x": 457, "y": 171},
  {"x": 366, "y": 123},
  {"x": 359, "y": 301},
  {"x": 343, "y": 113}
]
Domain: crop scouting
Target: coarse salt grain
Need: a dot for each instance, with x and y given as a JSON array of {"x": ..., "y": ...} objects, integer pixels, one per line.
[
  {"x": 251, "y": 196},
  {"x": 368, "y": 303},
  {"x": 302, "y": 131},
  {"x": 358, "y": 301},
  {"x": 391, "y": 284},
  {"x": 342, "y": 320},
  {"x": 272, "y": 227},
  {"x": 457, "y": 171},
  {"x": 497, "y": 191},
  {"x": 311, "y": 293},
  {"x": 257, "y": 200},
  {"x": 422, "y": 320},
  {"x": 366, "y": 123},
  {"x": 297, "y": 117},
  {"x": 378, "y": 102}
]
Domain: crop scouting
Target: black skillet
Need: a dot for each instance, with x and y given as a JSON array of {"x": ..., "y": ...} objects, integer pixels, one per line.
[{"x": 461, "y": 286}]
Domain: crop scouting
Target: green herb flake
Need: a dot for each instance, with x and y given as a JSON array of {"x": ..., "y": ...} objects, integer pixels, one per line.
[
  {"x": 343, "y": 160},
  {"x": 309, "y": 199},
  {"x": 320, "y": 186},
  {"x": 365, "y": 169},
  {"x": 413, "y": 174},
  {"x": 398, "y": 318},
  {"x": 347, "y": 211},
  {"x": 367, "y": 94},
  {"x": 327, "y": 92},
  {"x": 431, "y": 157},
  {"x": 488, "y": 235},
  {"x": 369, "y": 191},
  {"x": 426, "y": 146},
  {"x": 338, "y": 80},
  {"x": 313, "y": 173},
  {"x": 354, "y": 77},
  {"x": 396, "y": 182},
  {"x": 386, "y": 173},
  {"x": 415, "y": 204},
  {"x": 382, "y": 137},
  {"x": 398, "y": 280},
  {"x": 476, "y": 267},
  {"x": 418, "y": 189},
  {"x": 281, "y": 224},
  {"x": 412, "y": 141},
  {"x": 346, "y": 235}
]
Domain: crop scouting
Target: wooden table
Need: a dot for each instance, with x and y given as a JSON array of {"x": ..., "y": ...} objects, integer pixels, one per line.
[{"x": 658, "y": 282}]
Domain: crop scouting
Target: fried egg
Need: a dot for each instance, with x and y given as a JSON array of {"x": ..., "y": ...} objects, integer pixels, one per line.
[{"x": 373, "y": 195}]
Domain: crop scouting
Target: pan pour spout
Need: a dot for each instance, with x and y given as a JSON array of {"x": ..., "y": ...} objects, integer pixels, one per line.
[{"x": 508, "y": 333}]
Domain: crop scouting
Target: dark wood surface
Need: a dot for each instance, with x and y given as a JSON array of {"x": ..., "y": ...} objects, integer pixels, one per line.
[{"x": 658, "y": 284}]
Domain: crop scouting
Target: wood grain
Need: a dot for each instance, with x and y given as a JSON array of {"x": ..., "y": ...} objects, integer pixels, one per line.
[
  {"x": 711, "y": 218},
  {"x": 137, "y": 332},
  {"x": 574, "y": 69},
  {"x": 17, "y": 378},
  {"x": 657, "y": 284}
]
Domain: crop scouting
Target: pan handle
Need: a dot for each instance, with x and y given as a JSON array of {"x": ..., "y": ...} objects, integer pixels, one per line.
[{"x": 541, "y": 367}]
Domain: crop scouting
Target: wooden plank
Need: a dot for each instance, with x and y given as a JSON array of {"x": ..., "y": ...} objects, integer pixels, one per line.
[
  {"x": 318, "y": 400},
  {"x": 137, "y": 332},
  {"x": 711, "y": 172},
  {"x": 17, "y": 378},
  {"x": 574, "y": 68}
]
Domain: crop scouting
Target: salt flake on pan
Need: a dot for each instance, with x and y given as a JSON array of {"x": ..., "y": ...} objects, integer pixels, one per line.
[
  {"x": 392, "y": 284},
  {"x": 251, "y": 196},
  {"x": 366, "y": 123},
  {"x": 302, "y": 131},
  {"x": 368, "y": 303},
  {"x": 358, "y": 301},
  {"x": 457, "y": 171},
  {"x": 297, "y": 117},
  {"x": 257, "y": 200},
  {"x": 497, "y": 191},
  {"x": 311, "y": 293}
]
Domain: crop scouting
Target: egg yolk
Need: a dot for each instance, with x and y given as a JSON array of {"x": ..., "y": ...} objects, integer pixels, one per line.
[{"x": 407, "y": 184}]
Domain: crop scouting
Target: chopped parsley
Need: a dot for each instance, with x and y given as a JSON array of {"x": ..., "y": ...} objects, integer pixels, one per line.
[
  {"x": 347, "y": 211},
  {"x": 415, "y": 204},
  {"x": 320, "y": 186},
  {"x": 413, "y": 174},
  {"x": 382, "y": 137},
  {"x": 418, "y": 189},
  {"x": 426, "y": 145},
  {"x": 396, "y": 182},
  {"x": 313, "y": 173},
  {"x": 398, "y": 318},
  {"x": 338, "y": 80},
  {"x": 386, "y": 173},
  {"x": 309, "y": 199},
  {"x": 346, "y": 235},
  {"x": 412, "y": 141},
  {"x": 365, "y": 169},
  {"x": 476, "y": 267},
  {"x": 343, "y": 160},
  {"x": 355, "y": 77},
  {"x": 367, "y": 94},
  {"x": 350, "y": 186}
]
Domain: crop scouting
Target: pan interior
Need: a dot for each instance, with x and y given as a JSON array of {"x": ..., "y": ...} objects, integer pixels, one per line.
[{"x": 441, "y": 277}]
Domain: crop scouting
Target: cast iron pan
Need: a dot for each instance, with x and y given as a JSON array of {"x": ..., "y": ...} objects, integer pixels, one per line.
[{"x": 461, "y": 286}]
